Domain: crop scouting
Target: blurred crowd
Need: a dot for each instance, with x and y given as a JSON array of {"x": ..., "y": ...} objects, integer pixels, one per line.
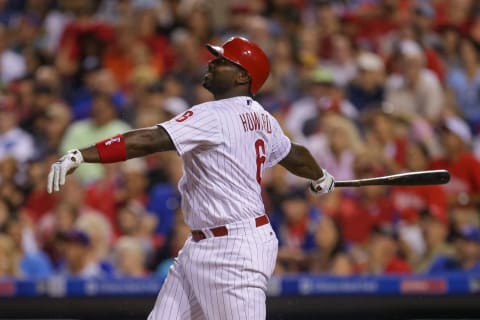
[{"x": 371, "y": 87}]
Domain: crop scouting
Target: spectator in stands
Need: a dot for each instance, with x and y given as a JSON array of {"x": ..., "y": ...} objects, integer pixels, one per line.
[
  {"x": 367, "y": 89},
  {"x": 422, "y": 22},
  {"x": 43, "y": 96},
  {"x": 362, "y": 209},
  {"x": 54, "y": 23},
  {"x": 54, "y": 122},
  {"x": 32, "y": 262},
  {"x": 450, "y": 39},
  {"x": 100, "y": 237},
  {"x": 75, "y": 196},
  {"x": 102, "y": 194},
  {"x": 464, "y": 81},
  {"x": 308, "y": 46},
  {"x": 147, "y": 16},
  {"x": 5, "y": 213},
  {"x": 435, "y": 229},
  {"x": 463, "y": 190},
  {"x": 198, "y": 19},
  {"x": 38, "y": 202},
  {"x": 78, "y": 257},
  {"x": 295, "y": 230},
  {"x": 82, "y": 41},
  {"x": 128, "y": 219},
  {"x": 117, "y": 11},
  {"x": 467, "y": 254},
  {"x": 9, "y": 267},
  {"x": 96, "y": 80},
  {"x": 132, "y": 52},
  {"x": 14, "y": 142},
  {"x": 328, "y": 255},
  {"x": 384, "y": 139},
  {"x": 411, "y": 201},
  {"x": 189, "y": 61},
  {"x": 149, "y": 108},
  {"x": 285, "y": 78},
  {"x": 12, "y": 64},
  {"x": 336, "y": 145},
  {"x": 384, "y": 256},
  {"x": 134, "y": 183},
  {"x": 342, "y": 64},
  {"x": 47, "y": 75},
  {"x": 328, "y": 25},
  {"x": 26, "y": 34},
  {"x": 103, "y": 123},
  {"x": 414, "y": 89},
  {"x": 11, "y": 182},
  {"x": 319, "y": 84},
  {"x": 129, "y": 258},
  {"x": 419, "y": 130},
  {"x": 134, "y": 221},
  {"x": 422, "y": 32},
  {"x": 52, "y": 225}
]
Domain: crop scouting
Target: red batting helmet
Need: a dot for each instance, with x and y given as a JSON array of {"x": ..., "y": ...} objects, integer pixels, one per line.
[{"x": 247, "y": 55}]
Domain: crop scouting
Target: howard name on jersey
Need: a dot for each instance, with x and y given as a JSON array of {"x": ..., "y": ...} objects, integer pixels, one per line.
[{"x": 254, "y": 121}]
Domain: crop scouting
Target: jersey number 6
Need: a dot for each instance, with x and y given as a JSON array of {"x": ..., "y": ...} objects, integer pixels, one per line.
[{"x": 260, "y": 157}]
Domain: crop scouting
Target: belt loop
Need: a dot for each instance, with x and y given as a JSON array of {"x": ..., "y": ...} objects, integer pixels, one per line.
[{"x": 208, "y": 233}]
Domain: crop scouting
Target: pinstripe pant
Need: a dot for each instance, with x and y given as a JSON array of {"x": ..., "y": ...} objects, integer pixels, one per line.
[{"x": 220, "y": 277}]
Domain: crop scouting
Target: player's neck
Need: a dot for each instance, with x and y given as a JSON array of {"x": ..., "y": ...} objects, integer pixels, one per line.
[{"x": 234, "y": 92}]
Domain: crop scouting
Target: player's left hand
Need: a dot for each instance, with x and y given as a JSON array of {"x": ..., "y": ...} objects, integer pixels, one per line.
[
  {"x": 323, "y": 185},
  {"x": 59, "y": 170}
]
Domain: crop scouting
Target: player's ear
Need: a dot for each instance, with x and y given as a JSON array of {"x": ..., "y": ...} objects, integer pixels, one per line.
[{"x": 243, "y": 77}]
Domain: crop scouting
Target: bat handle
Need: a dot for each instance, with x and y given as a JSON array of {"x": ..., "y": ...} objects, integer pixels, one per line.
[{"x": 348, "y": 183}]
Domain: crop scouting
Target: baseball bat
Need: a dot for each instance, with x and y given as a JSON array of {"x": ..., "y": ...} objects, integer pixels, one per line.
[{"x": 414, "y": 178}]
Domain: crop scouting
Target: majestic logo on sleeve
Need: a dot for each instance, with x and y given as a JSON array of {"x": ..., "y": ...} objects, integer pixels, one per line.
[
  {"x": 112, "y": 140},
  {"x": 253, "y": 121}
]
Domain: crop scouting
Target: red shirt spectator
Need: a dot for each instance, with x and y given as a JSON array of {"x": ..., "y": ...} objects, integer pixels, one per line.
[
  {"x": 397, "y": 265},
  {"x": 463, "y": 190},
  {"x": 38, "y": 203},
  {"x": 358, "y": 215},
  {"x": 410, "y": 201},
  {"x": 465, "y": 177}
]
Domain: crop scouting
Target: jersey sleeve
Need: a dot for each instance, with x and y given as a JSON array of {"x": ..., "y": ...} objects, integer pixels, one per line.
[
  {"x": 198, "y": 126},
  {"x": 280, "y": 143}
]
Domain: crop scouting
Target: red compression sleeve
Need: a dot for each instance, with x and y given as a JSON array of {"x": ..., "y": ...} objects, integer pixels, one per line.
[{"x": 112, "y": 149}]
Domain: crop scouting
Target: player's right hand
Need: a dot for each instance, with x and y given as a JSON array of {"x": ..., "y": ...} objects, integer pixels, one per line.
[
  {"x": 59, "y": 170},
  {"x": 323, "y": 185}
]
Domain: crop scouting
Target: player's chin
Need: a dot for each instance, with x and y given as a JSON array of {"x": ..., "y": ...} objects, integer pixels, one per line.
[{"x": 206, "y": 83}]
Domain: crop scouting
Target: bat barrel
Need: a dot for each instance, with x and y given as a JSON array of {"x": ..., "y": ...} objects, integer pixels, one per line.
[{"x": 415, "y": 178}]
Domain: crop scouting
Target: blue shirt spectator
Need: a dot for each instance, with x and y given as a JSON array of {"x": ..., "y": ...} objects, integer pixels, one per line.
[
  {"x": 465, "y": 81},
  {"x": 467, "y": 255},
  {"x": 467, "y": 93},
  {"x": 36, "y": 266}
]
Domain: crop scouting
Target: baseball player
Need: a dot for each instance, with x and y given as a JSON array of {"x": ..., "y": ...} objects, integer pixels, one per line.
[{"x": 225, "y": 145}]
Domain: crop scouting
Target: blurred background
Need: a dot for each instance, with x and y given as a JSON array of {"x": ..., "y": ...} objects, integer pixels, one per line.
[{"x": 371, "y": 87}]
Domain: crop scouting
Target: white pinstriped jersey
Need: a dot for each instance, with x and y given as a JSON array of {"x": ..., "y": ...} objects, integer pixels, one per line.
[{"x": 225, "y": 146}]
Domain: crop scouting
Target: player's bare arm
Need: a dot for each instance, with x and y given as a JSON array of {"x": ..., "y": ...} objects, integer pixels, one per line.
[
  {"x": 131, "y": 144},
  {"x": 300, "y": 162},
  {"x": 138, "y": 143}
]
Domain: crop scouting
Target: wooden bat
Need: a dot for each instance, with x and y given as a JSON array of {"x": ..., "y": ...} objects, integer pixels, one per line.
[{"x": 414, "y": 178}]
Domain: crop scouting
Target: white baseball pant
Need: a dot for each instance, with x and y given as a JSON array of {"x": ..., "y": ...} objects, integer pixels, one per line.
[{"x": 220, "y": 277}]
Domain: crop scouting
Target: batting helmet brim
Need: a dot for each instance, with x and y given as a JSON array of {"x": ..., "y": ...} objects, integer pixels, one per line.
[{"x": 218, "y": 51}]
